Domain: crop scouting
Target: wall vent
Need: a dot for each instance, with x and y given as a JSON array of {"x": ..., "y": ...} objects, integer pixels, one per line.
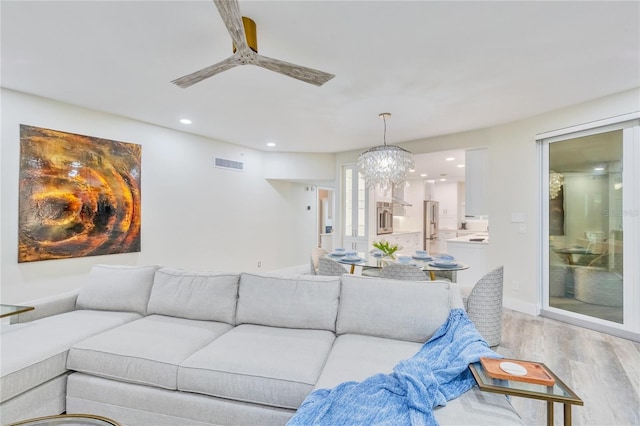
[{"x": 223, "y": 163}]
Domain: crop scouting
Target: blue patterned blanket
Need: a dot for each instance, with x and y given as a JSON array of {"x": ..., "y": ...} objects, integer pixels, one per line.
[{"x": 437, "y": 373}]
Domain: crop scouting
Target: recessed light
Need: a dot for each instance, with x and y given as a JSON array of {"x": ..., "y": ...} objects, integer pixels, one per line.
[
  {"x": 443, "y": 180},
  {"x": 185, "y": 121},
  {"x": 271, "y": 144},
  {"x": 598, "y": 169},
  {"x": 460, "y": 165},
  {"x": 450, "y": 158},
  {"x": 423, "y": 175},
  {"x": 412, "y": 170}
]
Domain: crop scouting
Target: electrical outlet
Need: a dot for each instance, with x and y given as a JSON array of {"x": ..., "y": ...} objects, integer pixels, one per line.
[
  {"x": 259, "y": 264},
  {"x": 515, "y": 285}
]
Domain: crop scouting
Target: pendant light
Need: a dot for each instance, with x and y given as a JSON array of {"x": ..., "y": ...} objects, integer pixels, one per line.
[{"x": 385, "y": 165}]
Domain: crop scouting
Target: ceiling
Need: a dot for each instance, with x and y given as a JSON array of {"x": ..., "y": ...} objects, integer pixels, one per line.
[{"x": 437, "y": 67}]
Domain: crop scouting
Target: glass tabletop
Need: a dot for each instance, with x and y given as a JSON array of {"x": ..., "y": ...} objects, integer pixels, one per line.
[
  {"x": 371, "y": 261},
  {"x": 8, "y": 310},
  {"x": 558, "y": 392}
]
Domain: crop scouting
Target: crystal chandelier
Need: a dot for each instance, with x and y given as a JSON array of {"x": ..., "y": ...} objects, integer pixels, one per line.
[
  {"x": 555, "y": 183},
  {"x": 385, "y": 165}
]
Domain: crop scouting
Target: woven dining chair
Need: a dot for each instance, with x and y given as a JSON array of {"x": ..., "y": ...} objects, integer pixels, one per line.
[
  {"x": 399, "y": 271},
  {"x": 316, "y": 254},
  {"x": 328, "y": 266},
  {"x": 483, "y": 303}
]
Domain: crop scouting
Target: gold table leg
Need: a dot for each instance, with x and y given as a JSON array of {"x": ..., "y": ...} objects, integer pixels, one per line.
[
  {"x": 549, "y": 413},
  {"x": 432, "y": 274},
  {"x": 353, "y": 268},
  {"x": 567, "y": 414}
]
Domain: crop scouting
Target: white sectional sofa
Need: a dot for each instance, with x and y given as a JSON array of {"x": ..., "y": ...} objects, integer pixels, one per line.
[{"x": 148, "y": 346}]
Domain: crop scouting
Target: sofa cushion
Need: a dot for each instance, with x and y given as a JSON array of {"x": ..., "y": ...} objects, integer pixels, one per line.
[
  {"x": 117, "y": 288},
  {"x": 289, "y": 301},
  {"x": 35, "y": 352},
  {"x": 207, "y": 296},
  {"x": 394, "y": 309},
  {"x": 263, "y": 365},
  {"x": 146, "y": 351},
  {"x": 356, "y": 357}
]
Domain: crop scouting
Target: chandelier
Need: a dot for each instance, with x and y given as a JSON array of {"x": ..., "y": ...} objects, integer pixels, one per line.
[
  {"x": 555, "y": 183},
  {"x": 385, "y": 165}
]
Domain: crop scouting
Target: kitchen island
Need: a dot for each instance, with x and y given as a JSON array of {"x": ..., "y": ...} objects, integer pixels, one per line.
[{"x": 472, "y": 250}]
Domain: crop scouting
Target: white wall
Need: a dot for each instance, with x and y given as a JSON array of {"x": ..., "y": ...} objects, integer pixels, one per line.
[
  {"x": 193, "y": 215},
  {"x": 513, "y": 185}
]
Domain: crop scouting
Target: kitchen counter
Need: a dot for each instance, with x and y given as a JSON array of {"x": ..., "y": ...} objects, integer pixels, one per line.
[
  {"x": 466, "y": 239},
  {"x": 405, "y": 232}
]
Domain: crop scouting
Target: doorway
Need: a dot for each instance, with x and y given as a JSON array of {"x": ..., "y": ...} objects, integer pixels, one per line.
[
  {"x": 590, "y": 227},
  {"x": 326, "y": 213}
]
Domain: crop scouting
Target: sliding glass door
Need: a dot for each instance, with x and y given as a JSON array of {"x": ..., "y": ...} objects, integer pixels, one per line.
[{"x": 590, "y": 241}]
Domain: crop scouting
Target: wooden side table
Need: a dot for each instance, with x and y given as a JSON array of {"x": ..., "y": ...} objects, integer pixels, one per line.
[{"x": 558, "y": 392}]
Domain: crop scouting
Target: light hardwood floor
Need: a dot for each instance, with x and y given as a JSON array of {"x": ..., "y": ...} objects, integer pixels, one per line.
[{"x": 603, "y": 370}]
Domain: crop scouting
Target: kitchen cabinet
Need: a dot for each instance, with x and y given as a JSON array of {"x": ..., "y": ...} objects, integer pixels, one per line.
[
  {"x": 326, "y": 242},
  {"x": 473, "y": 253},
  {"x": 409, "y": 241},
  {"x": 443, "y": 236},
  {"x": 476, "y": 168},
  {"x": 447, "y": 197},
  {"x": 355, "y": 202}
]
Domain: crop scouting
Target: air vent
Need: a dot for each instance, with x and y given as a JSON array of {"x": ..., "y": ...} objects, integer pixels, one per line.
[{"x": 229, "y": 164}]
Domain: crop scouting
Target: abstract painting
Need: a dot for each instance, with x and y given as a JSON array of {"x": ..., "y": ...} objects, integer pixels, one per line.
[{"x": 79, "y": 195}]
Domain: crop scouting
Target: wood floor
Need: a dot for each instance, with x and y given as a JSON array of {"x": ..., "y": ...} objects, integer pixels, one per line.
[{"x": 603, "y": 370}]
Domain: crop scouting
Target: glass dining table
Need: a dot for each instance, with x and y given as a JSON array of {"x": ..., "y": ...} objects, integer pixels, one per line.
[{"x": 368, "y": 260}]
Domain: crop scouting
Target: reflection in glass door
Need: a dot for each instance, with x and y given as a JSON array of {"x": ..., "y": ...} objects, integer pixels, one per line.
[{"x": 585, "y": 227}]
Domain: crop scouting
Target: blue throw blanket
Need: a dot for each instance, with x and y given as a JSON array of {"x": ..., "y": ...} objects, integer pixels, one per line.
[{"x": 437, "y": 373}]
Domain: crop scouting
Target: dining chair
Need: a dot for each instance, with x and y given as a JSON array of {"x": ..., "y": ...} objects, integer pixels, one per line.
[
  {"x": 399, "y": 271},
  {"x": 328, "y": 266},
  {"x": 483, "y": 303},
  {"x": 316, "y": 254}
]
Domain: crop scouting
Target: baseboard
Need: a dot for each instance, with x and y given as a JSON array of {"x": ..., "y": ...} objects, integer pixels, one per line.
[
  {"x": 520, "y": 306},
  {"x": 293, "y": 270}
]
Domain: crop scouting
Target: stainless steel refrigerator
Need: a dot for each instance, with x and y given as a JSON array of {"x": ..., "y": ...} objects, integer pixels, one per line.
[{"x": 430, "y": 225}]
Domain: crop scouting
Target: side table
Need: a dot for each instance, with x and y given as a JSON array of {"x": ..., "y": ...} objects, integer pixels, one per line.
[
  {"x": 559, "y": 392},
  {"x": 8, "y": 310},
  {"x": 68, "y": 420}
]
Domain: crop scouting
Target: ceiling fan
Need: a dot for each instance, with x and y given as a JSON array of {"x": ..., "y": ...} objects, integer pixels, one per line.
[{"x": 246, "y": 52}]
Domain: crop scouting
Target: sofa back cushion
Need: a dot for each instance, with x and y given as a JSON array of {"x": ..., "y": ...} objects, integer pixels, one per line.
[
  {"x": 207, "y": 296},
  {"x": 300, "y": 301},
  {"x": 117, "y": 288},
  {"x": 402, "y": 310}
]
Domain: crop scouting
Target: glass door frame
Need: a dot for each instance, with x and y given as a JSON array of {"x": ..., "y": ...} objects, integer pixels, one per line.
[{"x": 630, "y": 126}]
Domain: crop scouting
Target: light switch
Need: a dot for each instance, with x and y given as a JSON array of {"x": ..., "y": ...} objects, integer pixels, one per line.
[{"x": 517, "y": 217}]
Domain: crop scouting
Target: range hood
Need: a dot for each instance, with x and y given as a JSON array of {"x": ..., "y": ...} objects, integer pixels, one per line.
[
  {"x": 400, "y": 202},
  {"x": 397, "y": 196}
]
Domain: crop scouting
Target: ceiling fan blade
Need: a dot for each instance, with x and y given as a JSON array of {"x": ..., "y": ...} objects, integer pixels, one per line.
[
  {"x": 308, "y": 75},
  {"x": 198, "y": 76},
  {"x": 230, "y": 12}
]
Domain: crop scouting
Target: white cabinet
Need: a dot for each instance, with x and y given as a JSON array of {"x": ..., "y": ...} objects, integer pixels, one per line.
[
  {"x": 476, "y": 168},
  {"x": 409, "y": 241},
  {"x": 355, "y": 201},
  {"x": 443, "y": 236},
  {"x": 326, "y": 242},
  {"x": 474, "y": 255}
]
